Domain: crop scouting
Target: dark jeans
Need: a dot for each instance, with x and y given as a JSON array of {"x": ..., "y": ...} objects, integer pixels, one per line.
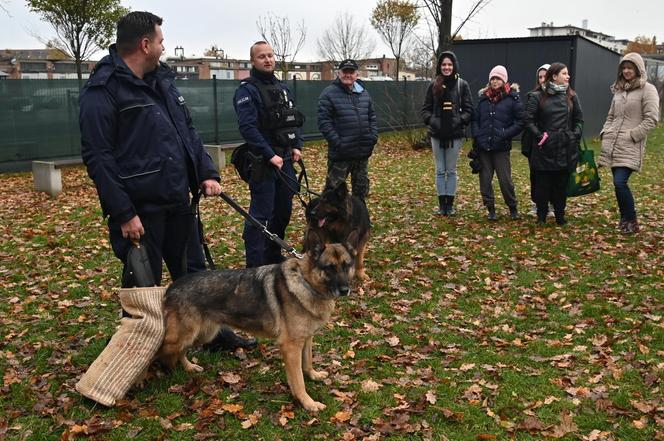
[
  {"x": 623, "y": 193},
  {"x": 271, "y": 204},
  {"x": 549, "y": 186},
  {"x": 498, "y": 163},
  {"x": 166, "y": 236}
]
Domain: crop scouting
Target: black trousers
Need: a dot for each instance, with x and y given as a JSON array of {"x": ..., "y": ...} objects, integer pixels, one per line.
[
  {"x": 549, "y": 186},
  {"x": 166, "y": 236}
]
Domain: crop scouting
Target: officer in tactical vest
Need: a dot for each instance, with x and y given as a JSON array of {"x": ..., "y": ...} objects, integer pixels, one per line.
[{"x": 270, "y": 124}]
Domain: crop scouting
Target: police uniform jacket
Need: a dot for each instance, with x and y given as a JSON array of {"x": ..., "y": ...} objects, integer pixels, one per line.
[
  {"x": 347, "y": 120},
  {"x": 138, "y": 142},
  {"x": 250, "y": 112}
]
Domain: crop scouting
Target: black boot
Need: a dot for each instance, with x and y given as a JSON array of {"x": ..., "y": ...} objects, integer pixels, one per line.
[
  {"x": 442, "y": 206},
  {"x": 514, "y": 213},
  {"x": 450, "y": 206},
  {"x": 491, "y": 213},
  {"x": 560, "y": 217},
  {"x": 227, "y": 340}
]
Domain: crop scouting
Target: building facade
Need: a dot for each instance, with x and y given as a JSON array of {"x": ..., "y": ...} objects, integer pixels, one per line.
[
  {"x": 608, "y": 41},
  {"x": 42, "y": 64}
]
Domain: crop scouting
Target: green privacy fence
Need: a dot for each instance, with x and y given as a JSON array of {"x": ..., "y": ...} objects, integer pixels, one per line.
[{"x": 39, "y": 118}]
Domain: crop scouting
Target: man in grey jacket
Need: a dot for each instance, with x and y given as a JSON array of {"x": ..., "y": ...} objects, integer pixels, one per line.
[{"x": 347, "y": 120}]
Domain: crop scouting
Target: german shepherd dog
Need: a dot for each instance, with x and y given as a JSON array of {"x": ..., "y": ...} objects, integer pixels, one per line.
[
  {"x": 333, "y": 215},
  {"x": 288, "y": 301}
]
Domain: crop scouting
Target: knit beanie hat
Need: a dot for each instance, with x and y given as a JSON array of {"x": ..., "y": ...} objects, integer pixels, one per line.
[{"x": 500, "y": 72}]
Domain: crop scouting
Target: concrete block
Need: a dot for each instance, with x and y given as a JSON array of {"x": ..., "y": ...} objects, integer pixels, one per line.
[
  {"x": 217, "y": 154},
  {"x": 47, "y": 178}
]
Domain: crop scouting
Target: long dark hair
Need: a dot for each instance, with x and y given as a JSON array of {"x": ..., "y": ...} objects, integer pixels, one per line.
[
  {"x": 440, "y": 78},
  {"x": 555, "y": 69}
]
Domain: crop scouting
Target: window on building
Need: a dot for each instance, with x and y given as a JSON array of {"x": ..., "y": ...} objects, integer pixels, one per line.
[
  {"x": 32, "y": 66},
  {"x": 191, "y": 69}
]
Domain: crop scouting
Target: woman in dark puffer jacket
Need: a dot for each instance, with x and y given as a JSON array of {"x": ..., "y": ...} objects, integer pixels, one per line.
[
  {"x": 447, "y": 110},
  {"x": 554, "y": 118},
  {"x": 498, "y": 117}
]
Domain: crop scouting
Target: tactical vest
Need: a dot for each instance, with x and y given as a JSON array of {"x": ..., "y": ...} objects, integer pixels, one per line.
[{"x": 280, "y": 119}]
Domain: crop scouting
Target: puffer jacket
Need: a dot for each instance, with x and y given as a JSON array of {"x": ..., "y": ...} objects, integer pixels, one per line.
[
  {"x": 634, "y": 112},
  {"x": 561, "y": 149},
  {"x": 138, "y": 143},
  {"x": 347, "y": 120},
  {"x": 461, "y": 98},
  {"x": 495, "y": 124}
]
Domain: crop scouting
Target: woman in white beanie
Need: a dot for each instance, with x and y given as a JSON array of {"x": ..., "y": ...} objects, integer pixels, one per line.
[
  {"x": 634, "y": 112},
  {"x": 498, "y": 117}
]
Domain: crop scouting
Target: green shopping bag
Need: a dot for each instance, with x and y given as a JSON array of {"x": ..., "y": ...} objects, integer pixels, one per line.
[{"x": 585, "y": 179}]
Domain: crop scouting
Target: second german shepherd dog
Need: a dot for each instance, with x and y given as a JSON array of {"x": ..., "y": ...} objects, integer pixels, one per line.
[
  {"x": 287, "y": 301},
  {"x": 333, "y": 215}
]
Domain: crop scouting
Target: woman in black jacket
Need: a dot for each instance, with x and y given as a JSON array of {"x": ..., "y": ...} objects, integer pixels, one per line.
[
  {"x": 498, "y": 118},
  {"x": 447, "y": 110},
  {"x": 554, "y": 118}
]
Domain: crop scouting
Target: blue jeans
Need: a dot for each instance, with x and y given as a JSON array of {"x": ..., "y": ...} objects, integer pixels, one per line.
[
  {"x": 623, "y": 193},
  {"x": 445, "y": 160}
]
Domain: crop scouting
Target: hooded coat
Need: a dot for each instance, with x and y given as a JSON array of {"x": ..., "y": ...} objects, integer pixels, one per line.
[
  {"x": 461, "y": 99},
  {"x": 495, "y": 124},
  {"x": 633, "y": 113}
]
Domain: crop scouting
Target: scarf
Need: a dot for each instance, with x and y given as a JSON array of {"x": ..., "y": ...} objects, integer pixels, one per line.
[
  {"x": 554, "y": 88},
  {"x": 447, "y": 112},
  {"x": 495, "y": 95}
]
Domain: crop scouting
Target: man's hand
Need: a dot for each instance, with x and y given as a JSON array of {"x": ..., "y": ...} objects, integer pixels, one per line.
[
  {"x": 277, "y": 161},
  {"x": 211, "y": 187},
  {"x": 297, "y": 155},
  {"x": 132, "y": 229}
]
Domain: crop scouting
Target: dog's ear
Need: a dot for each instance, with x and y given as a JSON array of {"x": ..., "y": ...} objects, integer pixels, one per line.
[
  {"x": 341, "y": 190},
  {"x": 315, "y": 244},
  {"x": 352, "y": 241}
]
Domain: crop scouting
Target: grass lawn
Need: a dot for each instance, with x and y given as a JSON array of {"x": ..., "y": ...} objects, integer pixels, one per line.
[{"x": 467, "y": 330}]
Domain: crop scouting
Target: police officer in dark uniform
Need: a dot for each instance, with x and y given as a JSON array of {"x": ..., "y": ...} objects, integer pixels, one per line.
[
  {"x": 270, "y": 124},
  {"x": 141, "y": 149}
]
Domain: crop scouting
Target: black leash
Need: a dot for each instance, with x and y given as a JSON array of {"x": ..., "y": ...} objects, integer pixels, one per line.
[
  {"x": 252, "y": 220},
  {"x": 298, "y": 183}
]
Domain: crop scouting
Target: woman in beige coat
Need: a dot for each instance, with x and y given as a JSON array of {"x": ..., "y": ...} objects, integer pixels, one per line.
[{"x": 634, "y": 112}]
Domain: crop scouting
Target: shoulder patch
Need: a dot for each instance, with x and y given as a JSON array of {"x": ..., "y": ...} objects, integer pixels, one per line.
[
  {"x": 244, "y": 99},
  {"x": 180, "y": 99}
]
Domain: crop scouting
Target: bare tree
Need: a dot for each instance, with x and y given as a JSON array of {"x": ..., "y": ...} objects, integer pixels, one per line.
[
  {"x": 285, "y": 42},
  {"x": 345, "y": 39},
  {"x": 395, "y": 21},
  {"x": 82, "y": 27},
  {"x": 441, "y": 13},
  {"x": 421, "y": 59}
]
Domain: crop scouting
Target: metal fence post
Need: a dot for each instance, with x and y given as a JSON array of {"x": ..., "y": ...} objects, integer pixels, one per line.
[
  {"x": 215, "y": 106},
  {"x": 294, "y": 88}
]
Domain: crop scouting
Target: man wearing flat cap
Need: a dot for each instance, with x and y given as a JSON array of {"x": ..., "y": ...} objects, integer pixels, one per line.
[{"x": 347, "y": 120}]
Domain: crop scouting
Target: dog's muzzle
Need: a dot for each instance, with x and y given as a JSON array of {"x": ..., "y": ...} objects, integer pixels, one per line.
[{"x": 344, "y": 291}]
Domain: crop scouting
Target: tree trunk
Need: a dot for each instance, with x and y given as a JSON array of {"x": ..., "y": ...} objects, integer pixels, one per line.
[
  {"x": 445, "y": 29},
  {"x": 398, "y": 60}
]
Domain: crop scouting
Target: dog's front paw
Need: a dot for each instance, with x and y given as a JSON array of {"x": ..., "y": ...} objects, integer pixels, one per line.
[
  {"x": 362, "y": 275},
  {"x": 191, "y": 367},
  {"x": 317, "y": 375},
  {"x": 313, "y": 406}
]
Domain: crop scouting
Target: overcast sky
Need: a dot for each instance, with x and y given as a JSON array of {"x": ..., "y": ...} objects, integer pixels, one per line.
[{"x": 231, "y": 24}]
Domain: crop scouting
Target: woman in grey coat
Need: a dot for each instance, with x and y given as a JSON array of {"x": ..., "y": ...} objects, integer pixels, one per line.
[{"x": 634, "y": 112}]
